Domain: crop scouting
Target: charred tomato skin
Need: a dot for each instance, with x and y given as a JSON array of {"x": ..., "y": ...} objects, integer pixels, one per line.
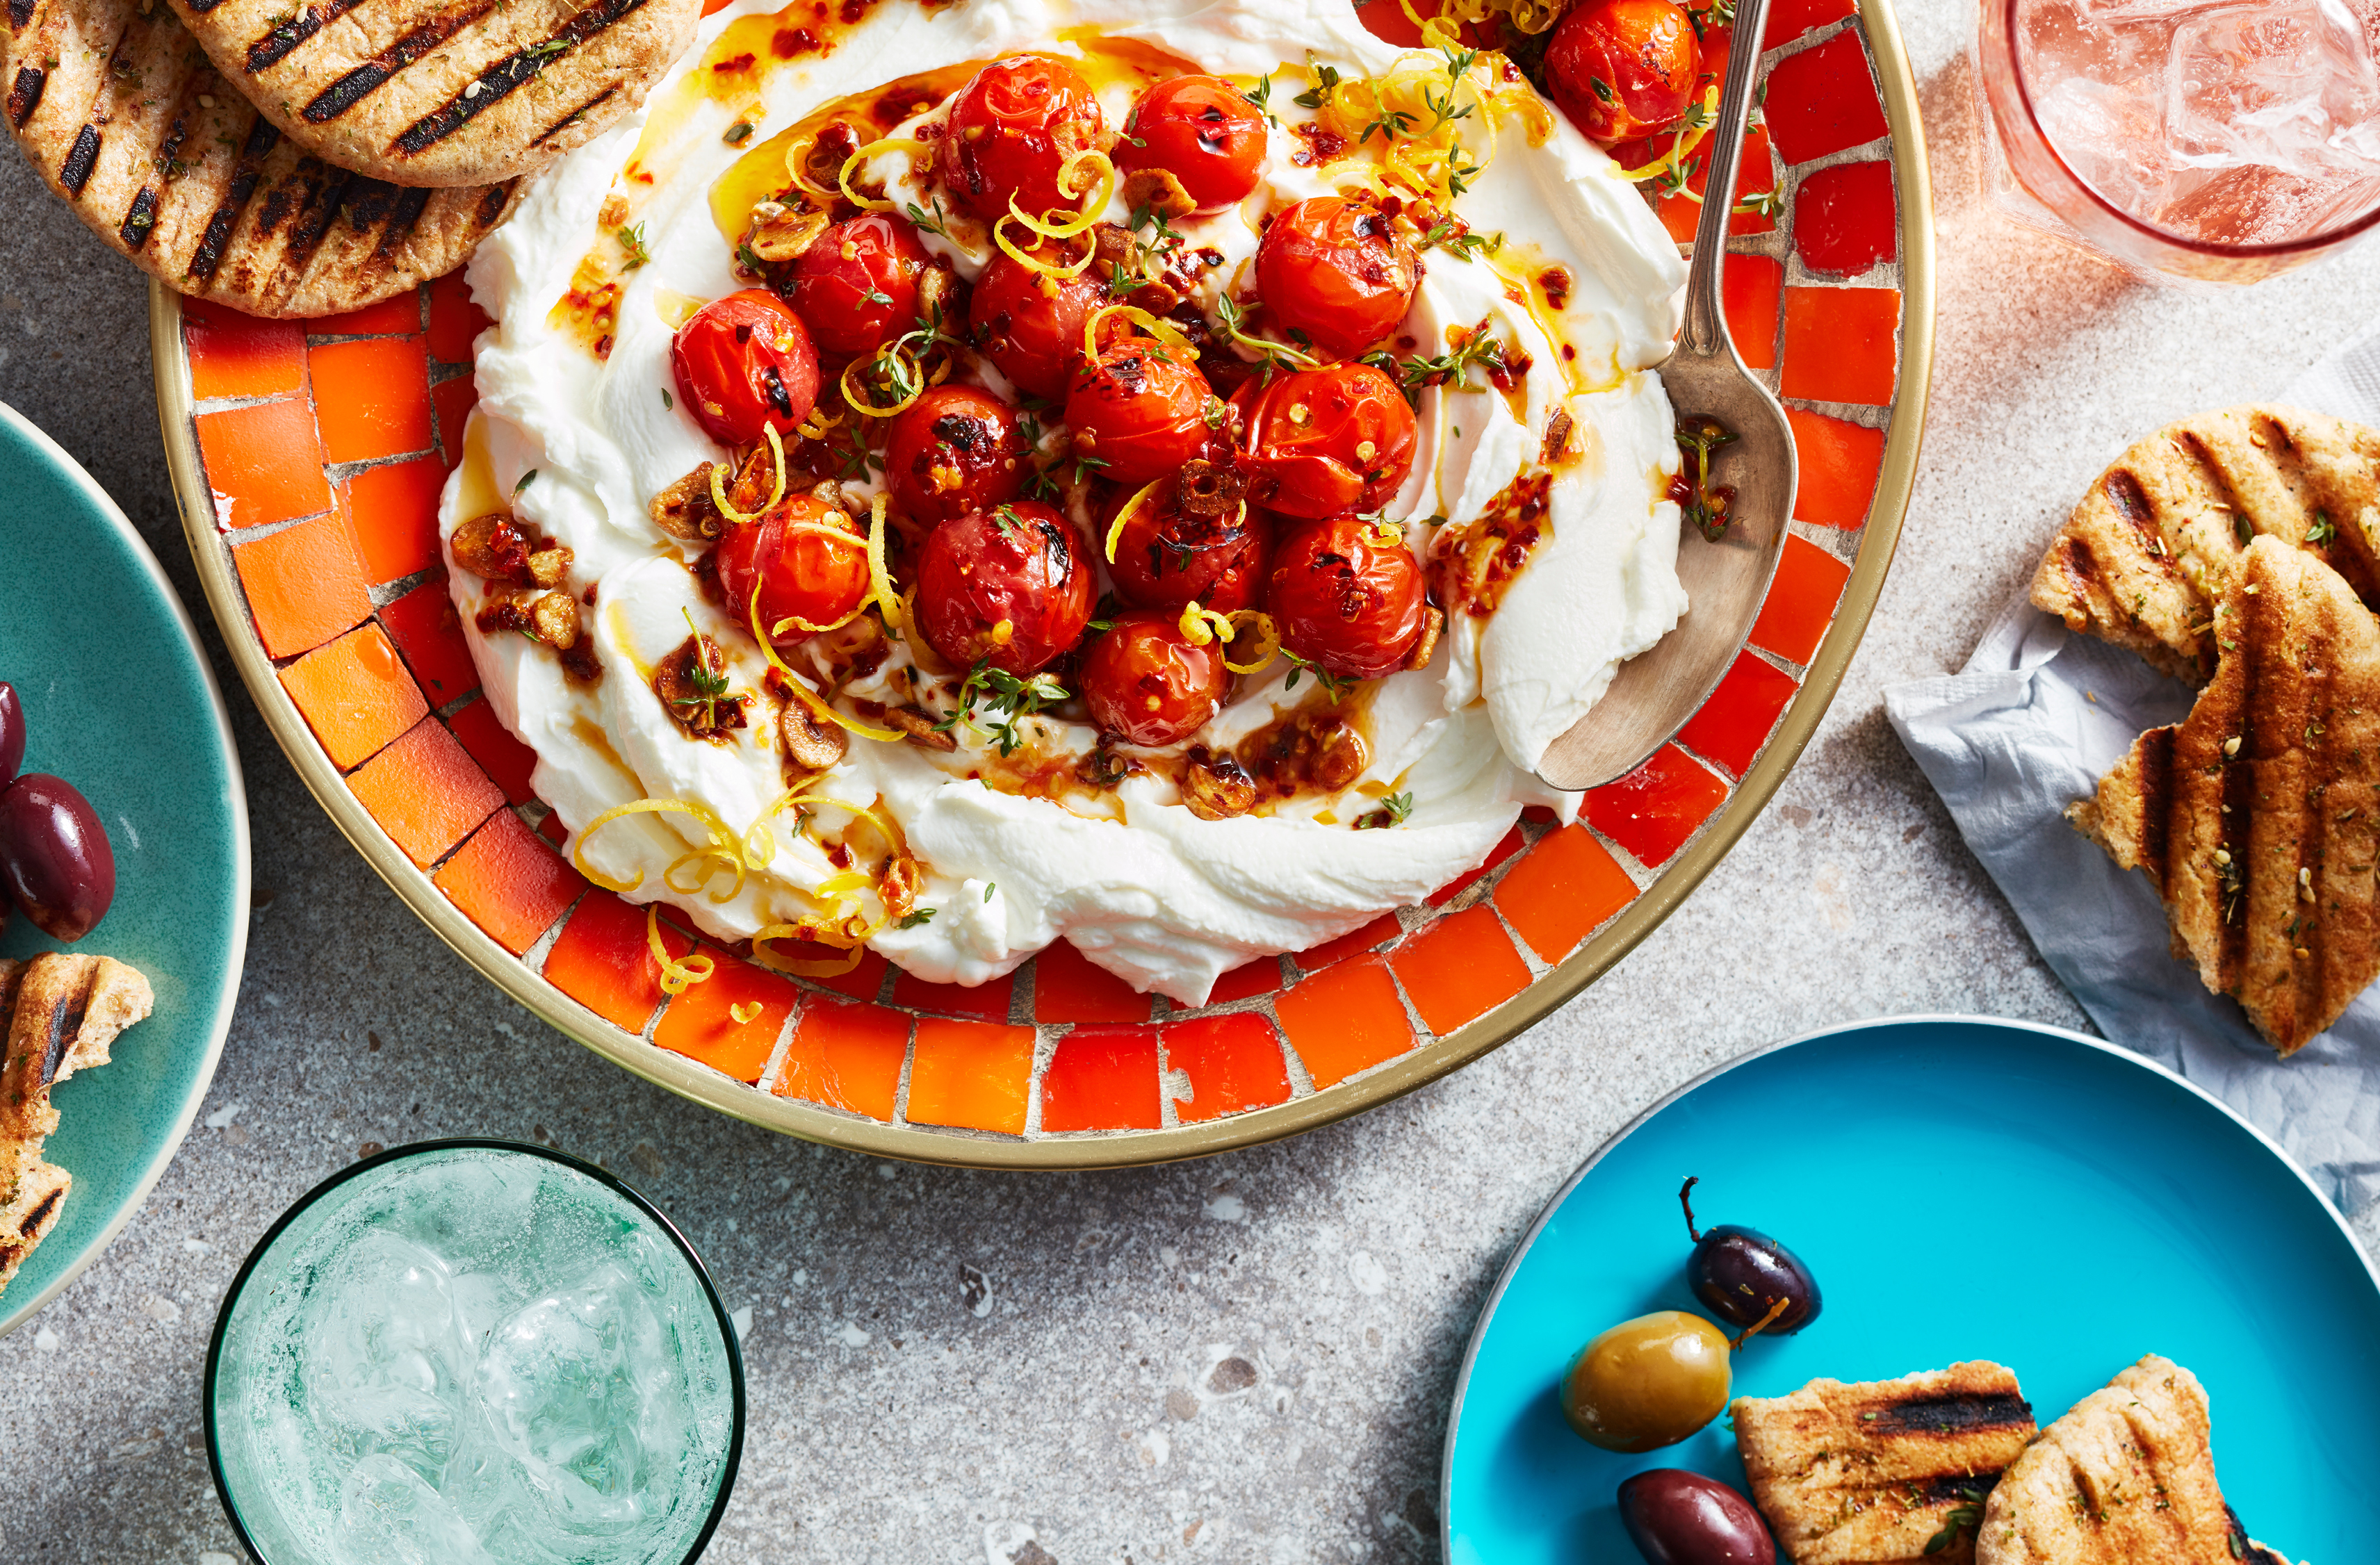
[
  {"x": 1011, "y": 587},
  {"x": 1328, "y": 441},
  {"x": 1144, "y": 409},
  {"x": 856, "y": 285},
  {"x": 1622, "y": 68},
  {"x": 1031, "y": 326},
  {"x": 1348, "y": 604},
  {"x": 1147, "y": 683},
  {"x": 955, "y": 449},
  {"x": 1336, "y": 270},
  {"x": 745, "y": 363},
  {"x": 1012, "y": 129},
  {"x": 802, "y": 574},
  {"x": 1202, "y": 130},
  {"x": 1166, "y": 558}
]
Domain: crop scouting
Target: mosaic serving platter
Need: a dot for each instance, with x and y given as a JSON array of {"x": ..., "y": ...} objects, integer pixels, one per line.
[{"x": 307, "y": 457}]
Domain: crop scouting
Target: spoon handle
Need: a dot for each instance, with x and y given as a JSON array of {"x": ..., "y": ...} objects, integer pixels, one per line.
[{"x": 1705, "y": 330}]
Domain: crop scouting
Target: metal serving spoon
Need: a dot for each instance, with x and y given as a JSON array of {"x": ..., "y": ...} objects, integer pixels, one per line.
[{"x": 1655, "y": 693}]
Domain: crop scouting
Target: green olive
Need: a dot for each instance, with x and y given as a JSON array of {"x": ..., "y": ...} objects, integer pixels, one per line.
[{"x": 1648, "y": 1382}]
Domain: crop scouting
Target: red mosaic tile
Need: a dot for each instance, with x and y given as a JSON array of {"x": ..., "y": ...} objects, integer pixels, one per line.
[
  {"x": 506, "y": 759},
  {"x": 1068, "y": 988},
  {"x": 1257, "y": 975},
  {"x": 1232, "y": 1063},
  {"x": 1506, "y": 846},
  {"x": 452, "y": 401},
  {"x": 1843, "y": 219},
  {"x": 390, "y": 316},
  {"x": 1655, "y": 808},
  {"x": 455, "y": 321},
  {"x": 988, "y": 1001},
  {"x": 1823, "y": 100},
  {"x": 1789, "y": 19},
  {"x": 1354, "y": 942},
  {"x": 1562, "y": 890},
  {"x": 429, "y": 632},
  {"x": 1749, "y": 291},
  {"x": 1841, "y": 344},
  {"x": 509, "y": 881},
  {"x": 1839, "y": 462},
  {"x": 1800, "y": 601},
  {"x": 1103, "y": 1078},
  {"x": 1755, "y": 175},
  {"x": 1740, "y": 715},
  {"x": 1459, "y": 968},
  {"x": 236, "y": 355}
]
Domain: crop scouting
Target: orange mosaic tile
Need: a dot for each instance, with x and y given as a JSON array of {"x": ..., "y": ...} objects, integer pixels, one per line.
[
  {"x": 373, "y": 398},
  {"x": 393, "y": 512},
  {"x": 390, "y": 316},
  {"x": 1103, "y": 1078},
  {"x": 509, "y": 881},
  {"x": 355, "y": 696},
  {"x": 425, "y": 791},
  {"x": 1459, "y": 968},
  {"x": 1345, "y": 1020},
  {"x": 1354, "y": 942},
  {"x": 700, "y": 1023},
  {"x": 1256, "y": 975},
  {"x": 1506, "y": 846},
  {"x": 455, "y": 321},
  {"x": 304, "y": 585},
  {"x": 603, "y": 959},
  {"x": 504, "y": 759},
  {"x": 974, "y": 1076},
  {"x": 1234, "y": 1063},
  {"x": 1789, "y": 19},
  {"x": 1749, "y": 291},
  {"x": 1800, "y": 601},
  {"x": 1563, "y": 891},
  {"x": 263, "y": 463},
  {"x": 987, "y": 1000},
  {"x": 236, "y": 354},
  {"x": 1843, "y": 219},
  {"x": 1740, "y": 715},
  {"x": 1841, "y": 344},
  {"x": 429, "y": 632},
  {"x": 453, "y": 400},
  {"x": 1655, "y": 808},
  {"x": 1840, "y": 464},
  {"x": 1823, "y": 100},
  {"x": 847, "y": 1057},
  {"x": 1068, "y": 988}
]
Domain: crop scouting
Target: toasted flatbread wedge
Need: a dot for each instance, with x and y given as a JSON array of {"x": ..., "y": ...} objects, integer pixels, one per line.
[
  {"x": 127, "y": 121},
  {"x": 2127, "y": 1477},
  {"x": 62, "y": 1014},
  {"x": 2257, "y": 817},
  {"x": 1888, "y": 1470},
  {"x": 2158, "y": 540},
  {"x": 442, "y": 92}
]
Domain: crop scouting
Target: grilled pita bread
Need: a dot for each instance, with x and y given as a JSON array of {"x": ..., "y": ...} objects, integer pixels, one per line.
[
  {"x": 2158, "y": 540},
  {"x": 442, "y": 92},
  {"x": 1889, "y": 1470},
  {"x": 2257, "y": 817},
  {"x": 124, "y": 118},
  {"x": 2127, "y": 1477},
  {"x": 63, "y": 1012}
]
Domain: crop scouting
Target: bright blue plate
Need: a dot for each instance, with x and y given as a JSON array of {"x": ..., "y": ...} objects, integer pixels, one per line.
[
  {"x": 1963, "y": 1188},
  {"x": 120, "y": 702}
]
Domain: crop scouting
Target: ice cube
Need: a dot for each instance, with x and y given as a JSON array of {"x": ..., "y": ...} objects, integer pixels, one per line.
[
  {"x": 388, "y": 1516},
  {"x": 387, "y": 1369},
  {"x": 2289, "y": 85}
]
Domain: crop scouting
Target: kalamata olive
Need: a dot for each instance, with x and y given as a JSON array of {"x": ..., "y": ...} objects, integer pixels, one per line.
[
  {"x": 1648, "y": 1382},
  {"x": 1681, "y": 1518},
  {"x": 54, "y": 860},
  {"x": 1747, "y": 1279},
  {"x": 12, "y": 733}
]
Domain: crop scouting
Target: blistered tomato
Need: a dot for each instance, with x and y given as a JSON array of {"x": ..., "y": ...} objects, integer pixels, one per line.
[
  {"x": 1323, "y": 441},
  {"x": 1012, "y": 129},
  {"x": 1007, "y": 586},
  {"x": 810, "y": 569},
  {"x": 856, "y": 285},
  {"x": 1201, "y": 131},
  {"x": 1192, "y": 539},
  {"x": 744, "y": 363},
  {"x": 1622, "y": 67},
  {"x": 1143, "y": 410},
  {"x": 1147, "y": 683},
  {"x": 1335, "y": 270},
  {"x": 1344, "y": 601},
  {"x": 1030, "y": 324},
  {"x": 955, "y": 449}
]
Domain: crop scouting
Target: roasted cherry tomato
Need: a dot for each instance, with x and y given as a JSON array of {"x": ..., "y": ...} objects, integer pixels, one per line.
[
  {"x": 955, "y": 449},
  {"x": 856, "y": 285},
  {"x": 1192, "y": 539},
  {"x": 1328, "y": 441},
  {"x": 1012, "y": 129},
  {"x": 744, "y": 363},
  {"x": 1009, "y": 586},
  {"x": 1622, "y": 67},
  {"x": 810, "y": 568},
  {"x": 1346, "y": 601},
  {"x": 1334, "y": 270},
  {"x": 1147, "y": 683},
  {"x": 1143, "y": 410},
  {"x": 1030, "y": 326},
  {"x": 1201, "y": 131}
]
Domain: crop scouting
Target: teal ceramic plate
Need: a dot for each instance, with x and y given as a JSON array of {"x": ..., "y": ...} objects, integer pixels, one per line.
[
  {"x": 1961, "y": 1188},
  {"x": 120, "y": 702}
]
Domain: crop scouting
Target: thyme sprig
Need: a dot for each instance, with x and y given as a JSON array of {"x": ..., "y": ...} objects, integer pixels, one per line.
[{"x": 1005, "y": 700}]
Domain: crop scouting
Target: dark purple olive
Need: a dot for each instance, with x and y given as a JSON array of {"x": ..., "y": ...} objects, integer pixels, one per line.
[
  {"x": 12, "y": 733},
  {"x": 1680, "y": 1518},
  {"x": 1747, "y": 1279},
  {"x": 55, "y": 861}
]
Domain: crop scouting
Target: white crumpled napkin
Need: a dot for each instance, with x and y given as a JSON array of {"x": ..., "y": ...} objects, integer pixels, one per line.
[{"x": 2026, "y": 728}]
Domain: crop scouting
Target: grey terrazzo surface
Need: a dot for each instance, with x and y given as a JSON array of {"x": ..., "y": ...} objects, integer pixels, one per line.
[{"x": 1243, "y": 1359}]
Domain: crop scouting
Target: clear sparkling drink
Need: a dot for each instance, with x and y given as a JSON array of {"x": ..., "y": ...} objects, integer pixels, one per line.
[{"x": 469, "y": 1355}]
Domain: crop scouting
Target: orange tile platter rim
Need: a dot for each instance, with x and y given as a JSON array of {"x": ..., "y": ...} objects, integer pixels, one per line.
[{"x": 1423, "y": 1063}]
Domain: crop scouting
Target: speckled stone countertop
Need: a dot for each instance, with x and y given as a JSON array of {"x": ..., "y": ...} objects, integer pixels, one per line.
[{"x": 1243, "y": 1359}]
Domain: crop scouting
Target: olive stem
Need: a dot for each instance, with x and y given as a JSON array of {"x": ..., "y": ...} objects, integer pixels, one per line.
[
  {"x": 1685, "y": 1195},
  {"x": 1784, "y": 1302}
]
